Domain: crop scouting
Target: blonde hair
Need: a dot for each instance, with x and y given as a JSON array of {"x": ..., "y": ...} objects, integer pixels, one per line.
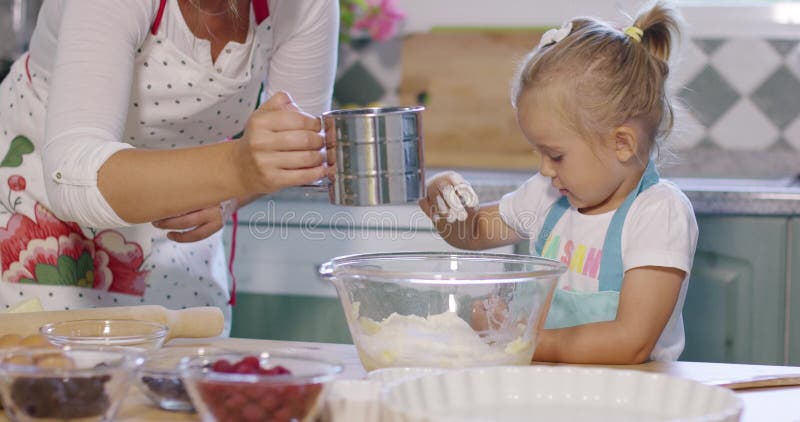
[
  {"x": 598, "y": 77},
  {"x": 233, "y": 9}
]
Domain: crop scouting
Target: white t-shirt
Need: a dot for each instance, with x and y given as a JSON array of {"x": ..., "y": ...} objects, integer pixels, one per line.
[{"x": 660, "y": 230}]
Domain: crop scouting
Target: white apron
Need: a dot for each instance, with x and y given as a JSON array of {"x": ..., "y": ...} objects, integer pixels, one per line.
[{"x": 175, "y": 102}]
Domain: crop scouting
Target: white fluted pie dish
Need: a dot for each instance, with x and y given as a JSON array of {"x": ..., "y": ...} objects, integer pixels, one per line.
[
  {"x": 357, "y": 400},
  {"x": 519, "y": 393}
]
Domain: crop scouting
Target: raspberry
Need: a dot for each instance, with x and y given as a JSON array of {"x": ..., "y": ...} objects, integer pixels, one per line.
[
  {"x": 276, "y": 370},
  {"x": 251, "y": 361},
  {"x": 243, "y": 368},
  {"x": 222, "y": 365},
  {"x": 247, "y": 365}
]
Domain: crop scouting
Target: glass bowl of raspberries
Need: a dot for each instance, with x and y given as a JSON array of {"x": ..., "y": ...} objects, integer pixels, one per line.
[{"x": 245, "y": 386}]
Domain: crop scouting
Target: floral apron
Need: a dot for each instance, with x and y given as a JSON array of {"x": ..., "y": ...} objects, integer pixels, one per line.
[
  {"x": 571, "y": 307},
  {"x": 175, "y": 102}
]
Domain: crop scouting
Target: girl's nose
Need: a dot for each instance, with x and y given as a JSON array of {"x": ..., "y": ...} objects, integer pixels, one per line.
[{"x": 546, "y": 167}]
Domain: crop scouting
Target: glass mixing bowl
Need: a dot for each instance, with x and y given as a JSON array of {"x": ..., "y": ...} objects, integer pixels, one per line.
[{"x": 444, "y": 309}]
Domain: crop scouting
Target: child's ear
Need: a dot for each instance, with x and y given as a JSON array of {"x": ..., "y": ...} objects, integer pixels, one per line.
[{"x": 626, "y": 142}]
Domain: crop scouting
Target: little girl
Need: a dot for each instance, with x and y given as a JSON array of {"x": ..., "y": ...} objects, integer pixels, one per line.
[{"x": 591, "y": 99}]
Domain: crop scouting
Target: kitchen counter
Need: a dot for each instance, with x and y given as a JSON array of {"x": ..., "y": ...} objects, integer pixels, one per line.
[
  {"x": 776, "y": 196},
  {"x": 765, "y": 404}
]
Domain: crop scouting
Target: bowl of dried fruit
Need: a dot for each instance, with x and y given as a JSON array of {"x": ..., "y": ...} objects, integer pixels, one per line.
[
  {"x": 65, "y": 384},
  {"x": 160, "y": 380},
  {"x": 242, "y": 386},
  {"x": 8, "y": 341}
]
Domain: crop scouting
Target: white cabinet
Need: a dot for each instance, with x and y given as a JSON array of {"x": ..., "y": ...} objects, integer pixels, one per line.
[{"x": 281, "y": 244}]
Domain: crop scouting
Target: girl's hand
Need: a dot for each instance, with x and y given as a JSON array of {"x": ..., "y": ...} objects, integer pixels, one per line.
[
  {"x": 489, "y": 314},
  {"x": 448, "y": 196},
  {"x": 194, "y": 226},
  {"x": 281, "y": 147}
]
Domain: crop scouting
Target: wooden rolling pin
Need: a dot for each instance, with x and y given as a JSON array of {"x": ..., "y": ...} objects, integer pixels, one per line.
[
  {"x": 758, "y": 381},
  {"x": 206, "y": 321}
]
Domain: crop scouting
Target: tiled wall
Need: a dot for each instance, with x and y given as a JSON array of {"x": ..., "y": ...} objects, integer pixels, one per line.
[
  {"x": 369, "y": 73},
  {"x": 743, "y": 101},
  {"x": 741, "y": 98}
]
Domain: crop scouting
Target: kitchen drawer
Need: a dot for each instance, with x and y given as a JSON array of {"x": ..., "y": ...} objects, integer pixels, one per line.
[{"x": 717, "y": 309}]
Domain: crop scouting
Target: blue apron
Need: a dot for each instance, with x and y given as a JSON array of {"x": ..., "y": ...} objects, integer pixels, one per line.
[{"x": 569, "y": 307}]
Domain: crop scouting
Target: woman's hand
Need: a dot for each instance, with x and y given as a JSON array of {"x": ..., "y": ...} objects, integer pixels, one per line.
[
  {"x": 448, "y": 196},
  {"x": 281, "y": 147},
  {"x": 193, "y": 226}
]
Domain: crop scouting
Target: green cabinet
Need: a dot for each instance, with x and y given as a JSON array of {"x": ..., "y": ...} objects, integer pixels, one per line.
[
  {"x": 289, "y": 317},
  {"x": 793, "y": 328},
  {"x": 735, "y": 308}
]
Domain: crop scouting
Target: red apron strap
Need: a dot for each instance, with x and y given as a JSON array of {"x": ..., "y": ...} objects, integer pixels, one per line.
[
  {"x": 159, "y": 15},
  {"x": 28, "y": 68},
  {"x": 235, "y": 222},
  {"x": 261, "y": 10}
]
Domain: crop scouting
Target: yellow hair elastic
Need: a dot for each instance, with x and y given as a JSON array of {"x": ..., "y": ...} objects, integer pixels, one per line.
[{"x": 634, "y": 32}]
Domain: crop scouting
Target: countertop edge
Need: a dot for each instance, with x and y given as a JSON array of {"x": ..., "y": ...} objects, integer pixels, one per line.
[{"x": 722, "y": 198}]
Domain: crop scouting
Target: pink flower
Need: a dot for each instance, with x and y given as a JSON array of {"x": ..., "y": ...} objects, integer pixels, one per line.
[
  {"x": 50, "y": 251},
  {"x": 16, "y": 183},
  {"x": 380, "y": 20},
  {"x": 123, "y": 260}
]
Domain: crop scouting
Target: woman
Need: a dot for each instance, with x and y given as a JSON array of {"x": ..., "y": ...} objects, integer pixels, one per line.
[{"x": 115, "y": 120}]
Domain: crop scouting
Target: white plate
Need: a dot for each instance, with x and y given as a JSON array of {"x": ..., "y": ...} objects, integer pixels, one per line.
[{"x": 556, "y": 393}]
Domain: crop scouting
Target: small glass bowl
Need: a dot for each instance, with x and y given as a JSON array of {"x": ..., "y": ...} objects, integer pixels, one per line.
[
  {"x": 144, "y": 335},
  {"x": 160, "y": 380},
  {"x": 73, "y": 383},
  {"x": 219, "y": 396}
]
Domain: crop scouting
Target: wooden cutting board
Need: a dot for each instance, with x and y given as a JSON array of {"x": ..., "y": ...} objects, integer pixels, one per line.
[{"x": 466, "y": 76}]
